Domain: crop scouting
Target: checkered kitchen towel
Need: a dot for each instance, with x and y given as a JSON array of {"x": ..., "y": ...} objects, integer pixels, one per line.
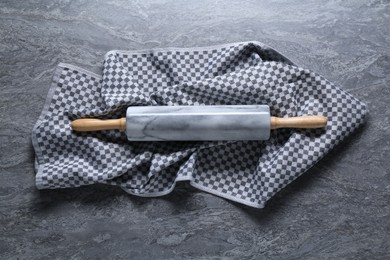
[{"x": 249, "y": 172}]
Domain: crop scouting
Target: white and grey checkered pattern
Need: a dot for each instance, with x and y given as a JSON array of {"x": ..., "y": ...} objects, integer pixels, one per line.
[{"x": 249, "y": 172}]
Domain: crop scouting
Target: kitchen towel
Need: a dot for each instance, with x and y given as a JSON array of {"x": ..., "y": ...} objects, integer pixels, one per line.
[{"x": 245, "y": 73}]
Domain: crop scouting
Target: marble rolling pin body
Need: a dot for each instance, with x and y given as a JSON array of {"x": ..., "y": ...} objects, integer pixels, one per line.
[{"x": 198, "y": 123}]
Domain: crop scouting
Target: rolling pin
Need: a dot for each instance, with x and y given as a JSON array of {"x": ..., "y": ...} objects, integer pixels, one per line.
[{"x": 198, "y": 123}]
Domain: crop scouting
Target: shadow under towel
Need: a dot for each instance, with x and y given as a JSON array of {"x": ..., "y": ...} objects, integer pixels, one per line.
[{"x": 247, "y": 73}]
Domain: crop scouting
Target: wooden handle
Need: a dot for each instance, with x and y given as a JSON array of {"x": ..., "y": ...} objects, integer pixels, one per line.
[
  {"x": 91, "y": 124},
  {"x": 299, "y": 122}
]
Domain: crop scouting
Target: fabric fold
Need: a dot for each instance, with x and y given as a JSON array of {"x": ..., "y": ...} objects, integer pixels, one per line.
[{"x": 249, "y": 172}]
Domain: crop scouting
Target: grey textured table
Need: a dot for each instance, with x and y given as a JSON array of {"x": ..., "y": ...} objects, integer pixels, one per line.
[{"x": 339, "y": 209}]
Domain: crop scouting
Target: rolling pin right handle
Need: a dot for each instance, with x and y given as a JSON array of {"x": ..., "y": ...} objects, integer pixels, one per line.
[{"x": 299, "y": 122}]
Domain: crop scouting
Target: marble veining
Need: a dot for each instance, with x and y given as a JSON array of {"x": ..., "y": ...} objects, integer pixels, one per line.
[
  {"x": 198, "y": 123},
  {"x": 340, "y": 209}
]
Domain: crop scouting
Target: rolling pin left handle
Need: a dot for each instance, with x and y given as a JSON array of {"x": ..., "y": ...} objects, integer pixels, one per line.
[{"x": 91, "y": 124}]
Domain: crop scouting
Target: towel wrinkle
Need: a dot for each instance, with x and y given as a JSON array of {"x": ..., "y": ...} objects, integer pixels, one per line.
[{"x": 249, "y": 172}]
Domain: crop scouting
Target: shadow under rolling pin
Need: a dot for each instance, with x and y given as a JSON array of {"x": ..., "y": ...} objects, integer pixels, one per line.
[{"x": 198, "y": 123}]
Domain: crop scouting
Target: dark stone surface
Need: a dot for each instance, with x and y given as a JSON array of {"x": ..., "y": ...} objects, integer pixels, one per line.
[{"x": 340, "y": 209}]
